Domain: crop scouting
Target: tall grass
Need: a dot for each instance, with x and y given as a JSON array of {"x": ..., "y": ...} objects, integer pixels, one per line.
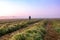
[
  {"x": 37, "y": 32},
  {"x": 56, "y": 26},
  {"x": 6, "y": 30}
]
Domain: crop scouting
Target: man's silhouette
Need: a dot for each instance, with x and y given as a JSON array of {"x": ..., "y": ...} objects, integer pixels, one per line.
[{"x": 29, "y": 17}]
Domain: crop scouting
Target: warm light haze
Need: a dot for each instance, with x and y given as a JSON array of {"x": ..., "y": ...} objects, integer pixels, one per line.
[{"x": 34, "y": 8}]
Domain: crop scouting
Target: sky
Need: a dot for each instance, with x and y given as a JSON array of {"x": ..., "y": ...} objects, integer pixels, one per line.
[{"x": 34, "y": 8}]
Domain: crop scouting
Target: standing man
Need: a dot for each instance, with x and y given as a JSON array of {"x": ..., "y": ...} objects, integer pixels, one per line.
[{"x": 29, "y": 17}]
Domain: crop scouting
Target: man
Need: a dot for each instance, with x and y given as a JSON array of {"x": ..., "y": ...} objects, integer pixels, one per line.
[{"x": 29, "y": 17}]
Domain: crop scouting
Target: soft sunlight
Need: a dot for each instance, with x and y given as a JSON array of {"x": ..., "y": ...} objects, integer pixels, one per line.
[
  {"x": 30, "y": 8},
  {"x": 11, "y": 9}
]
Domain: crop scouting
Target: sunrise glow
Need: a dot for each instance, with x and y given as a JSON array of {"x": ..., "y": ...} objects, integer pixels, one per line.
[{"x": 34, "y": 8}]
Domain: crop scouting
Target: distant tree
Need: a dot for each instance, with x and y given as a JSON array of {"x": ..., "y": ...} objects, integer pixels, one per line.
[{"x": 29, "y": 17}]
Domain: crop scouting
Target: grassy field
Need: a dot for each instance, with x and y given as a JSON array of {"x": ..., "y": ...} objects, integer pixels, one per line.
[{"x": 34, "y": 29}]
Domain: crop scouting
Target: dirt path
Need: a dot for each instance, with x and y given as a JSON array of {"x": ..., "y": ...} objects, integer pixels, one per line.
[
  {"x": 51, "y": 34},
  {"x": 8, "y": 36}
]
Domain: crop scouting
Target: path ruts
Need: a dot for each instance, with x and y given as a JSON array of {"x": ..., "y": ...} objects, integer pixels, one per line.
[
  {"x": 51, "y": 34},
  {"x": 8, "y": 36}
]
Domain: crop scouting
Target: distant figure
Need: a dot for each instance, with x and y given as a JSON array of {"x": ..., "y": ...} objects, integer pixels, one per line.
[{"x": 29, "y": 17}]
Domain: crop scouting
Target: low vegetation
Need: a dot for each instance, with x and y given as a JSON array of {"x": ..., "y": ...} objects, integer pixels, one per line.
[
  {"x": 36, "y": 29},
  {"x": 14, "y": 27},
  {"x": 35, "y": 33}
]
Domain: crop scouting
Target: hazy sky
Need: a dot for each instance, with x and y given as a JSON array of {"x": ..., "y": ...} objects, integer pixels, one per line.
[{"x": 34, "y": 8}]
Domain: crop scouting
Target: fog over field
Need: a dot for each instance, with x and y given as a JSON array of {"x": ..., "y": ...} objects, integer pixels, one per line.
[{"x": 25, "y": 8}]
